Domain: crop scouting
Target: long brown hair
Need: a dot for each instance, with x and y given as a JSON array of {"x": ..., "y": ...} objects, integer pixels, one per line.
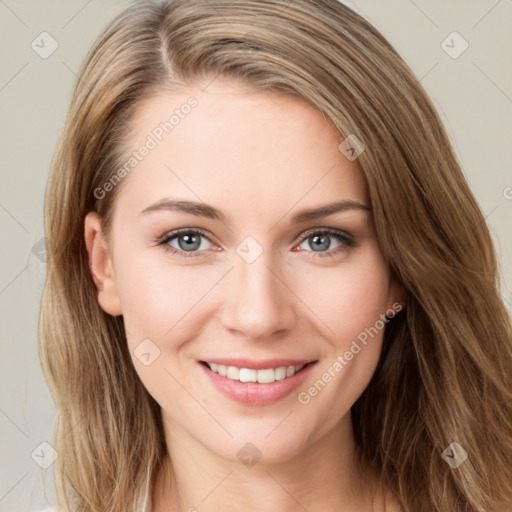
[{"x": 445, "y": 373}]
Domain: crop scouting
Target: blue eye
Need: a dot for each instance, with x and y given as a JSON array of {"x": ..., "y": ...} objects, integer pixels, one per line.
[
  {"x": 321, "y": 239},
  {"x": 190, "y": 244},
  {"x": 189, "y": 241}
]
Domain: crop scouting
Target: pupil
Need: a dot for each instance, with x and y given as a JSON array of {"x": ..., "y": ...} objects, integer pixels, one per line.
[
  {"x": 324, "y": 245},
  {"x": 191, "y": 242}
]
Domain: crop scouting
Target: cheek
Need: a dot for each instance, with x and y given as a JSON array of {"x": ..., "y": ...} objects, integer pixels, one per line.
[
  {"x": 163, "y": 308},
  {"x": 350, "y": 306},
  {"x": 158, "y": 297},
  {"x": 349, "y": 298},
  {"x": 171, "y": 305}
]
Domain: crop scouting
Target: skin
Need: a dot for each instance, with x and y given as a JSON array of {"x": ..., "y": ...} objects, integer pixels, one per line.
[{"x": 259, "y": 158}]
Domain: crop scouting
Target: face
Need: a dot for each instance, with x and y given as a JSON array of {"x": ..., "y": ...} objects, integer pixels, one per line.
[{"x": 250, "y": 280}]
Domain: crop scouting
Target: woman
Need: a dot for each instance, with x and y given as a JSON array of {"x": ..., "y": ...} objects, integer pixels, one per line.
[{"x": 270, "y": 287}]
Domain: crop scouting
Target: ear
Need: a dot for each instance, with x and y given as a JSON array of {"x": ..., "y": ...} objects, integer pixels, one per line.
[{"x": 100, "y": 264}]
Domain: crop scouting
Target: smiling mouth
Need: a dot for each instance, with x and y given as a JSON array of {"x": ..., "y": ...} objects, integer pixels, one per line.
[{"x": 262, "y": 376}]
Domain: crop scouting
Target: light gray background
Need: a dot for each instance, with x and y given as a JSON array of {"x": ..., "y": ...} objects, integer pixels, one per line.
[{"x": 473, "y": 94}]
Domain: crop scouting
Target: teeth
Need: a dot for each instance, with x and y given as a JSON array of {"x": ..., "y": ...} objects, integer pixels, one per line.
[{"x": 266, "y": 376}]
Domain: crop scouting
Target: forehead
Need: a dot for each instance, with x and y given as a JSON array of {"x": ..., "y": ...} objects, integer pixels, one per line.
[{"x": 232, "y": 144}]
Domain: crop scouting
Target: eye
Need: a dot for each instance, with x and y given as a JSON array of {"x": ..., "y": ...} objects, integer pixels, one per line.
[
  {"x": 188, "y": 242},
  {"x": 320, "y": 240}
]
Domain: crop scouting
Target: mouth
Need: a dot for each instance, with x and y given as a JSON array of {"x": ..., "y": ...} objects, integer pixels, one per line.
[
  {"x": 248, "y": 372},
  {"x": 256, "y": 383}
]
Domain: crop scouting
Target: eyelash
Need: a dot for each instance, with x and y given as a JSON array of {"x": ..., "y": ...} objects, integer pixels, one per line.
[{"x": 343, "y": 237}]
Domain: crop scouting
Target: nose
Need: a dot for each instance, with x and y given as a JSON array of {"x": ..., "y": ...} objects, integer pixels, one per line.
[{"x": 259, "y": 303}]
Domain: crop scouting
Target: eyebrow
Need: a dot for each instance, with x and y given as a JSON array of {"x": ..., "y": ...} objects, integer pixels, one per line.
[
  {"x": 328, "y": 209},
  {"x": 210, "y": 212}
]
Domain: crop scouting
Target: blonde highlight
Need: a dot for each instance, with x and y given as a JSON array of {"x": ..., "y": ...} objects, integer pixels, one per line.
[{"x": 445, "y": 373}]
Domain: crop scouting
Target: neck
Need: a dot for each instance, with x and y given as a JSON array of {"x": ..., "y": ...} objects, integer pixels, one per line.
[{"x": 325, "y": 476}]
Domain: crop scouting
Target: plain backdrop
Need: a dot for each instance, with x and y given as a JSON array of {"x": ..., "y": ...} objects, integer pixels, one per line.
[{"x": 472, "y": 91}]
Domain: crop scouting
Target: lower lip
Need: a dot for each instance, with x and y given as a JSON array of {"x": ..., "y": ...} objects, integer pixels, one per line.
[{"x": 255, "y": 393}]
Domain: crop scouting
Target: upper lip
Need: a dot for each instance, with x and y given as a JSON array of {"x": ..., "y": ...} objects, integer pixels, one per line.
[{"x": 259, "y": 364}]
